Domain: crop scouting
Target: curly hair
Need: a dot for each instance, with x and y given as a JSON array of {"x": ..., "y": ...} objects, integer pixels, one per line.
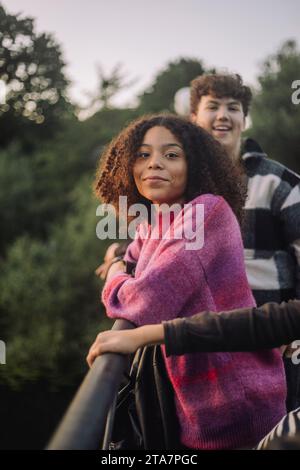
[
  {"x": 209, "y": 168},
  {"x": 220, "y": 86}
]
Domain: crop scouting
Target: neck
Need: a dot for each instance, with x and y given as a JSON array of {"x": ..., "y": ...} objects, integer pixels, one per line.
[
  {"x": 165, "y": 206},
  {"x": 235, "y": 152}
]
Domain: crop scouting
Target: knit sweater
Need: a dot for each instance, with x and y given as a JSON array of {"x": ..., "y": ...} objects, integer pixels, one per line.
[
  {"x": 272, "y": 230},
  {"x": 223, "y": 400}
]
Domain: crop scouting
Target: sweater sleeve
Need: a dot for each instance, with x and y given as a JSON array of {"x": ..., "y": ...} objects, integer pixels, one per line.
[
  {"x": 134, "y": 247},
  {"x": 173, "y": 274},
  {"x": 268, "y": 326},
  {"x": 161, "y": 290}
]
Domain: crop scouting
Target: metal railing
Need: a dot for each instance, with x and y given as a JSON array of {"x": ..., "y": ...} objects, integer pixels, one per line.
[{"x": 85, "y": 425}]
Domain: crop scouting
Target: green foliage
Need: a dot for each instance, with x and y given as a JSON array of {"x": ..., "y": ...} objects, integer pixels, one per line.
[
  {"x": 31, "y": 68},
  {"x": 16, "y": 198},
  {"x": 276, "y": 120},
  {"x": 34, "y": 190},
  {"x": 50, "y": 298},
  {"x": 97, "y": 131},
  {"x": 178, "y": 74}
]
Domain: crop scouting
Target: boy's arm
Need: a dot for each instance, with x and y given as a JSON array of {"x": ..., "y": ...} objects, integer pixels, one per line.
[{"x": 248, "y": 329}]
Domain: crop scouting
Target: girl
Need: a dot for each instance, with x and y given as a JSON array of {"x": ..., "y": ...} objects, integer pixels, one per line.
[{"x": 223, "y": 400}]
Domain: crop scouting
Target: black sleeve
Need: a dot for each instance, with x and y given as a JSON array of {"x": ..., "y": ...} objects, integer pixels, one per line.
[{"x": 248, "y": 329}]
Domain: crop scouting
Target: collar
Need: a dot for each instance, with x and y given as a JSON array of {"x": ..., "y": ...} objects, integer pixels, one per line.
[{"x": 251, "y": 148}]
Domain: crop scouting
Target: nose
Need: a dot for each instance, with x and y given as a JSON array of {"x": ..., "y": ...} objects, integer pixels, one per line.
[
  {"x": 155, "y": 161},
  {"x": 222, "y": 113}
]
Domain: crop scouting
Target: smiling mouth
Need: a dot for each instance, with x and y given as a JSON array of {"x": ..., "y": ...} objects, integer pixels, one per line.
[
  {"x": 222, "y": 128},
  {"x": 155, "y": 178}
]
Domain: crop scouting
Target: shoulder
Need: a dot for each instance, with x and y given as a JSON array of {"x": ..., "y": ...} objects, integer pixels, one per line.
[
  {"x": 266, "y": 166},
  {"x": 208, "y": 209},
  {"x": 257, "y": 163},
  {"x": 211, "y": 203},
  {"x": 271, "y": 185}
]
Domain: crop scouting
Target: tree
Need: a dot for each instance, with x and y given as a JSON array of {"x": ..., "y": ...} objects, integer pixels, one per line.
[
  {"x": 50, "y": 310},
  {"x": 275, "y": 118},
  {"x": 31, "y": 73},
  {"x": 35, "y": 190},
  {"x": 178, "y": 74},
  {"x": 109, "y": 85},
  {"x": 16, "y": 195}
]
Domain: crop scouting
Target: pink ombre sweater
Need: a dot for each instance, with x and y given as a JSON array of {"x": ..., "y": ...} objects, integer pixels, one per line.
[{"x": 223, "y": 400}]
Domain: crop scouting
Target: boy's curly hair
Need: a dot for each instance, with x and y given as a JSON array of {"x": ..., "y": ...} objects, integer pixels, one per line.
[
  {"x": 220, "y": 86},
  {"x": 210, "y": 170}
]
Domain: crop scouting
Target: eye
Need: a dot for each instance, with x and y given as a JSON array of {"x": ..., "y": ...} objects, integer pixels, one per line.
[
  {"x": 171, "y": 155},
  {"x": 234, "y": 108},
  {"x": 143, "y": 154},
  {"x": 212, "y": 106}
]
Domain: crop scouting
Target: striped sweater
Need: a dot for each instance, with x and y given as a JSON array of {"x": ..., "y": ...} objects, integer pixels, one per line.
[
  {"x": 271, "y": 234},
  {"x": 223, "y": 400}
]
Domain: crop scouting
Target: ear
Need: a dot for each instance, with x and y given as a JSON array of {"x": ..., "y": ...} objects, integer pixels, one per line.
[{"x": 193, "y": 117}]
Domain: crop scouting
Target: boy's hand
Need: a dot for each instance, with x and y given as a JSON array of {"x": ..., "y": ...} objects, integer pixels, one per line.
[{"x": 101, "y": 271}]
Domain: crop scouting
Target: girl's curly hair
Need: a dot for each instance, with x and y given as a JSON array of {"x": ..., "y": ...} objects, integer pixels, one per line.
[{"x": 210, "y": 170}]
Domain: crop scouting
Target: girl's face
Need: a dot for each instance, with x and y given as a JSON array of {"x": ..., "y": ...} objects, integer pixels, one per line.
[{"x": 160, "y": 169}]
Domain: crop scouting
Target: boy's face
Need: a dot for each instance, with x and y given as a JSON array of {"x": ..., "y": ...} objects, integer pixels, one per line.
[{"x": 224, "y": 119}]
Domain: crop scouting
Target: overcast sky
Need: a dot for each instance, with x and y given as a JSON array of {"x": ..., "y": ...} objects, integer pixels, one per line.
[{"x": 145, "y": 35}]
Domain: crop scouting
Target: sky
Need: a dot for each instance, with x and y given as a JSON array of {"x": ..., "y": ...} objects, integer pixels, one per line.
[{"x": 235, "y": 35}]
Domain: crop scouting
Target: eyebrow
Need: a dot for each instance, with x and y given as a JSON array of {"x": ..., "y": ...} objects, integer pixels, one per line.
[
  {"x": 164, "y": 146},
  {"x": 230, "y": 102},
  {"x": 234, "y": 102}
]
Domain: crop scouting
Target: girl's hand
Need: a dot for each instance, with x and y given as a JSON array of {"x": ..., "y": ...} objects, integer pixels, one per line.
[{"x": 125, "y": 341}]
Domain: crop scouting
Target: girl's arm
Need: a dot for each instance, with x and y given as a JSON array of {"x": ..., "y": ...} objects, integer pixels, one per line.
[{"x": 173, "y": 272}]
